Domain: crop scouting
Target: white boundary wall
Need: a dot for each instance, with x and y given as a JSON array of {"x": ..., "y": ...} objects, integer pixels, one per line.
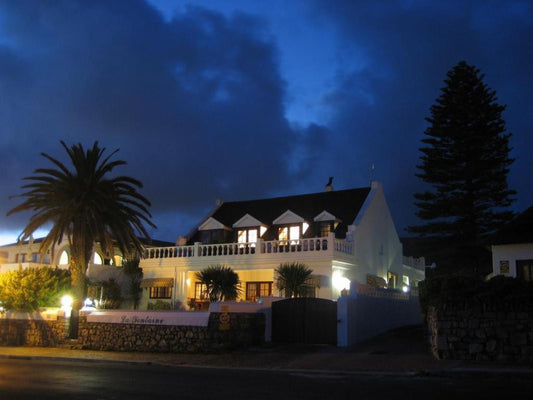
[
  {"x": 364, "y": 316},
  {"x": 180, "y": 318}
]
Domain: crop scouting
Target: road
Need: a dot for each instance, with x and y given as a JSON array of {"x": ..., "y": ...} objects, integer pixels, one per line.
[{"x": 37, "y": 379}]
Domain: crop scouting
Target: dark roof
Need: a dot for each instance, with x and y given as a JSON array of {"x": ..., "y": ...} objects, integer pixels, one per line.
[
  {"x": 519, "y": 230},
  {"x": 343, "y": 204}
]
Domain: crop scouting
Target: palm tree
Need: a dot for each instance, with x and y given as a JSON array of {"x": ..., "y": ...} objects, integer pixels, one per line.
[
  {"x": 221, "y": 282},
  {"x": 86, "y": 206},
  {"x": 292, "y": 279}
]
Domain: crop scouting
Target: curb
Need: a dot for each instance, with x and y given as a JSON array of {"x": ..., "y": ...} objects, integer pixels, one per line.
[{"x": 452, "y": 372}]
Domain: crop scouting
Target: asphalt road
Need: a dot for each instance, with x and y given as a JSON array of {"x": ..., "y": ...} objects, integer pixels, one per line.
[{"x": 38, "y": 379}]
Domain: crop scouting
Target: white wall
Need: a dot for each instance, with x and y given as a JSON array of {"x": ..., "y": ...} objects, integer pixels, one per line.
[
  {"x": 511, "y": 253},
  {"x": 376, "y": 243},
  {"x": 362, "y": 317}
]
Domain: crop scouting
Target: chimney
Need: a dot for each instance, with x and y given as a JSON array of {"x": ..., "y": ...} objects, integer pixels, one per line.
[{"x": 329, "y": 186}]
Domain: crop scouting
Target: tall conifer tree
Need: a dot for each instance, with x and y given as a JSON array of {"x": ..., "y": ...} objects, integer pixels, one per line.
[{"x": 465, "y": 159}]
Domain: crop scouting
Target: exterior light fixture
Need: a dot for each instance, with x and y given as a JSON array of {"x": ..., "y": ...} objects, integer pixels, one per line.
[{"x": 66, "y": 304}]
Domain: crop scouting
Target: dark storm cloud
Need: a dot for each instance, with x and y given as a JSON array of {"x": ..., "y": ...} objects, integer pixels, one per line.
[
  {"x": 401, "y": 51},
  {"x": 195, "y": 104}
]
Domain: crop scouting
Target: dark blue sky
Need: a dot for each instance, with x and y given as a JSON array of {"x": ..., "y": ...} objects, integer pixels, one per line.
[{"x": 239, "y": 100}]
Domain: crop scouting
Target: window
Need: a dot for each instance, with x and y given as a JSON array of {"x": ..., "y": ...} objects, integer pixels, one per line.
[
  {"x": 64, "y": 258},
  {"x": 254, "y": 290},
  {"x": 200, "y": 291},
  {"x": 213, "y": 236},
  {"x": 247, "y": 235},
  {"x": 163, "y": 292},
  {"x": 97, "y": 259},
  {"x": 289, "y": 232},
  {"x": 393, "y": 280},
  {"x": 524, "y": 270},
  {"x": 325, "y": 229},
  {"x": 504, "y": 266}
]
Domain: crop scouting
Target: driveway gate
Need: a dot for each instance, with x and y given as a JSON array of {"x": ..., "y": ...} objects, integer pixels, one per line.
[{"x": 304, "y": 320}]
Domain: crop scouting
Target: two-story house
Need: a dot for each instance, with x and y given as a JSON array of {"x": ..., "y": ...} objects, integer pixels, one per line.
[{"x": 344, "y": 236}]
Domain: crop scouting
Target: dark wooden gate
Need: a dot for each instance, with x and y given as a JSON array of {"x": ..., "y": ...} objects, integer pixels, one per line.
[{"x": 304, "y": 320}]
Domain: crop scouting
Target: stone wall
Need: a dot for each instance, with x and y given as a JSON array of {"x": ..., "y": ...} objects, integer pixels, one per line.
[
  {"x": 481, "y": 333},
  {"x": 224, "y": 331},
  {"x": 33, "y": 332}
]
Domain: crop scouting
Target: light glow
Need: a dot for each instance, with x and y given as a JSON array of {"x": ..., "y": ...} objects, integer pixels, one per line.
[
  {"x": 339, "y": 281},
  {"x": 66, "y": 303}
]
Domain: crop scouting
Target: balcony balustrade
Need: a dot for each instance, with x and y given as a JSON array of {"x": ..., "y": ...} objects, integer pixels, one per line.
[{"x": 260, "y": 247}]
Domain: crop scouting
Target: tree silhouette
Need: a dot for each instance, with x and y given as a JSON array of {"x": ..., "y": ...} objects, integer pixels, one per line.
[
  {"x": 465, "y": 161},
  {"x": 85, "y": 205}
]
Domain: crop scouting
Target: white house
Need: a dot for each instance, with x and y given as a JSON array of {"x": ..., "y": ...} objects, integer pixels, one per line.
[
  {"x": 512, "y": 248},
  {"x": 343, "y": 236},
  {"x": 26, "y": 254}
]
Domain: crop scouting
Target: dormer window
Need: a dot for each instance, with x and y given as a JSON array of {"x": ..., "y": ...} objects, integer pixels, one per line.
[
  {"x": 249, "y": 229},
  {"x": 326, "y": 223},
  {"x": 213, "y": 231},
  {"x": 247, "y": 235}
]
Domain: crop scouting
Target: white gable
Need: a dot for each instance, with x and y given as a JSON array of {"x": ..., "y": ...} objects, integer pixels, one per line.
[
  {"x": 247, "y": 221},
  {"x": 288, "y": 217},
  {"x": 211, "y": 224},
  {"x": 325, "y": 216}
]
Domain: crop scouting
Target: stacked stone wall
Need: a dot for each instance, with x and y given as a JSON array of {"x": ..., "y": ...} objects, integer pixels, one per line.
[
  {"x": 33, "y": 332},
  {"x": 224, "y": 331},
  {"x": 481, "y": 333}
]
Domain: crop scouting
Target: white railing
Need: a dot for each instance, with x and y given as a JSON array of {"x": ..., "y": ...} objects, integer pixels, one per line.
[
  {"x": 342, "y": 246},
  {"x": 415, "y": 262},
  {"x": 261, "y": 247}
]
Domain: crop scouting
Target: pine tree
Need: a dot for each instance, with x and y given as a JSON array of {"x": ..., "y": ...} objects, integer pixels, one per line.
[{"x": 465, "y": 159}]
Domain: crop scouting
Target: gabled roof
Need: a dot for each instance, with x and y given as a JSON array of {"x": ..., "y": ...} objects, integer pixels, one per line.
[
  {"x": 343, "y": 204},
  {"x": 519, "y": 230}
]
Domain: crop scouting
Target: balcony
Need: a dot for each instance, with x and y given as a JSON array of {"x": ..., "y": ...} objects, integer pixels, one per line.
[{"x": 327, "y": 247}]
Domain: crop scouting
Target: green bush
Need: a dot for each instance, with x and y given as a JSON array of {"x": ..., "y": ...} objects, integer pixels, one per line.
[
  {"x": 159, "y": 305},
  {"x": 32, "y": 288}
]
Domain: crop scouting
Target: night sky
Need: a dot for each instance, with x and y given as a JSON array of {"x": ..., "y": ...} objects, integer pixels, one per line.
[{"x": 238, "y": 100}]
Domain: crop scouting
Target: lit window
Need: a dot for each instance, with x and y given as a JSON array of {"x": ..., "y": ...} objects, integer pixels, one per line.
[
  {"x": 200, "y": 291},
  {"x": 64, "y": 259},
  {"x": 97, "y": 259},
  {"x": 294, "y": 232},
  {"x": 247, "y": 236},
  {"x": 405, "y": 280},
  {"x": 163, "y": 292},
  {"x": 254, "y": 290}
]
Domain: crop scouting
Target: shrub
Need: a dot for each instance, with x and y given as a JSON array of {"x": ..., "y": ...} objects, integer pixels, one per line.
[
  {"x": 32, "y": 288},
  {"x": 159, "y": 305},
  {"x": 499, "y": 292}
]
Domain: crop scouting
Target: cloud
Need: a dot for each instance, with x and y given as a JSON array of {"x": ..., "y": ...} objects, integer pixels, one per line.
[
  {"x": 194, "y": 103},
  {"x": 393, "y": 59}
]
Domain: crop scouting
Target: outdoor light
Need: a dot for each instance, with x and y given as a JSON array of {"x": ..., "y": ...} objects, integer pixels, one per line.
[
  {"x": 340, "y": 282},
  {"x": 405, "y": 289},
  {"x": 66, "y": 303}
]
